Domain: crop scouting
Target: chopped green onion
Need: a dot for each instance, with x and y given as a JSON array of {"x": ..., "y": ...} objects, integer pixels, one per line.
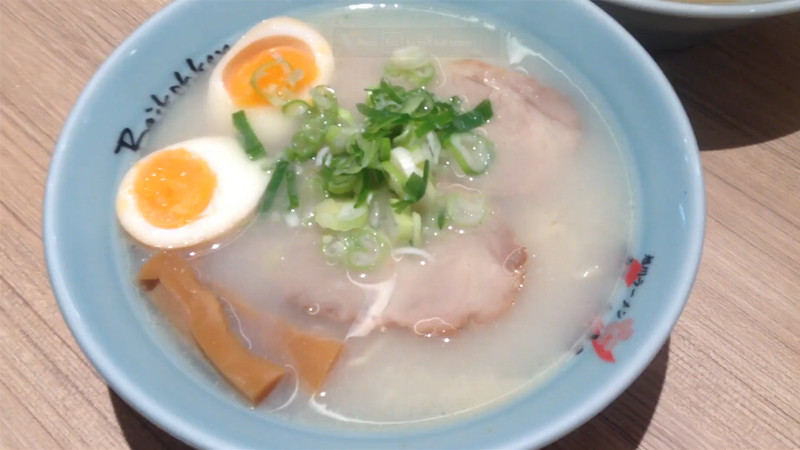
[
  {"x": 342, "y": 183},
  {"x": 472, "y": 152},
  {"x": 333, "y": 248},
  {"x": 406, "y": 138},
  {"x": 466, "y": 208},
  {"x": 441, "y": 218},
  {"x": 346, "y": 117},
  {"x": 429, "y": 201},
  {"x": 275, "y": 94},
  {"x": 296, "y": 108},
  {"x": 261, "y": 72},
  {"x": 422, "y": 76},
  {"x": 389, "y": 158},
  {"x": 325, "y": 100},
  {"x": 365, "y": 249},
  {"x": 421, "y": 100},
  {"x": 307, "y": 141},
  {"x": 416, "y": 185},
  {"x": 408, "y": 228},
  {"x": 414, "y": 189},
  {"x": 472, "y": 119},
  {"x": 340, "y": 215},
  {"x": 396, "y": 179},
  {"x": 404, "y": 228},
  {"x": 310, "y": 190},
  {"x": 386, "y": 149},
  {"x": 416, "y": 235},
  {"x": 366, "y": 188},
  {"x": 419, "y": 155},
  {"x": 404, "y": 115},
  {"x": 338, "y": 138},
  {"x": 402, "y": 159},
  {"x": 294, "y": 77},
  {"x": 274, "y": 184},
  {"x": 434, "y": 146},
  {"x": 291, "y": 189},
  {"x": 286, "y": 68},
  {"x": 411, "y": 57},
  {"x": 363, "y": 196},
  {"x": 411, "y": 64},
  {"x": 457, "y": 102},
  {"x": 252, "y": 145},
  {"x": 315, "y": 131},
  {"x": 382, "y": 122}
]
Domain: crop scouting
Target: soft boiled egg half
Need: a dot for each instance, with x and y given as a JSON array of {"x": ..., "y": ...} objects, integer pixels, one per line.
[
  {"x": 189, "y": 193},
  {"x": 278, "y": 60}
]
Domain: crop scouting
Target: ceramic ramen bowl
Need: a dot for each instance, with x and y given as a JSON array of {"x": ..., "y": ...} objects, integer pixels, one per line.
[
  {"x": 89, "y": 265},
  {"x": 666, "y": 24}
]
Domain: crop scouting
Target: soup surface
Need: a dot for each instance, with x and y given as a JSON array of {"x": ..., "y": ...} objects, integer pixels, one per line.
[{"x": 569, "y": 210}]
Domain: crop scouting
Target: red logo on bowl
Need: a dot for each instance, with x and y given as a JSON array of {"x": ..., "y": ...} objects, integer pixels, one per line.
[
  {"x": 633, "y": 272},
  {"x": 606, "y": 337}
]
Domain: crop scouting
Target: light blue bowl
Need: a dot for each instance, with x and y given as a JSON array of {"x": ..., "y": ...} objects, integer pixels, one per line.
[{"x": 92, "y": 281}]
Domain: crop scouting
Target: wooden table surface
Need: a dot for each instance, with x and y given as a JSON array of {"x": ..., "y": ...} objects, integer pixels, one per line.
[{"x": 729, "y": 377}]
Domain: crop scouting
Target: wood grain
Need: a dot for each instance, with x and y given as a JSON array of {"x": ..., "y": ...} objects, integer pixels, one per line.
[{"x": 729, "y": 377}]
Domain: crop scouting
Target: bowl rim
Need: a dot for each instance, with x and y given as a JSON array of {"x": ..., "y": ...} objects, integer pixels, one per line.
[
  {"x": 747, "y": 10},
  {"x": 191, "y": 433}
]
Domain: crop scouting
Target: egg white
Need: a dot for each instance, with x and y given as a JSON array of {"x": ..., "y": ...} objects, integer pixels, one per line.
[
  {"x": 267, "y": 122},
  {"x": 240, "y": 185}
]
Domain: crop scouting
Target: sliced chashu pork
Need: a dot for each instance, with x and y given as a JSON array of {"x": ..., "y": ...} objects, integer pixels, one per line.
[
  {"x": 472, "y": 277},
  {"x": 534, "y": 129}
]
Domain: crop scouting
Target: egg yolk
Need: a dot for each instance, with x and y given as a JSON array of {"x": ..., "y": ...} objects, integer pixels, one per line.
[
  {"x": 173, "y": 188},
  {"x": 265, "y": 63}
]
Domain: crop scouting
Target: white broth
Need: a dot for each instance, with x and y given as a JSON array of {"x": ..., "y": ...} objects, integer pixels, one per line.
[{"x": 576, "y": 226}]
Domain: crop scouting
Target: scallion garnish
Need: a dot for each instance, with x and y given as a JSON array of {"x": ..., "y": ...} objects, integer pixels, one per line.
[
  {"x": 315, "y": 122},
  {"x": 441, "y": 218},
  {"x": 340, "y": 215},
  {"x": 252, "y": 146},
  {"x": 412, "y": 65},
  {"x": 472, "y": 119},
  {"x": 276, "y": 94},
  {"x": 472, "y": 152},
  {"x": 466, "y": 208},
  {"x": 416, "y": 185},
  {"x": 273, "y": 185},
  {"x": 363, "y": 193},
  {"x": 295, "y": 108},
  {"x": 291, "y": 189},
  {"x": 388, "y": 160},
  {"x": 414, "y": 188},
  {"x": 365, "y": 249}
]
